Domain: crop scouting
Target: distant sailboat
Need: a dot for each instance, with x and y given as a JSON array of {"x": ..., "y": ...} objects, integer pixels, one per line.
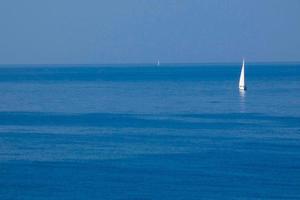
[
  {"x": 242, "y": 83},
  {"x": 158, "y": 63}
]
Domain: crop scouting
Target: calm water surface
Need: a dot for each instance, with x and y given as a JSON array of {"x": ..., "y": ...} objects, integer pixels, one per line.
[{"x": 142, "y": 132}]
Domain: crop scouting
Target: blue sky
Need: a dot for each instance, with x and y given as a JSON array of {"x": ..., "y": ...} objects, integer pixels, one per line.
[{"x": 135, "y": 31}]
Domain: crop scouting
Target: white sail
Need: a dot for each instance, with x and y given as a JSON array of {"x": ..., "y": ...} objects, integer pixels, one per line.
[
  {"x": 158, "y": 63},
  {"x": 242, "y": 83}
]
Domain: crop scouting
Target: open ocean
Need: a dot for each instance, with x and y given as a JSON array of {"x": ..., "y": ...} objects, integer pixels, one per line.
[{"x": 145, "y": 132}]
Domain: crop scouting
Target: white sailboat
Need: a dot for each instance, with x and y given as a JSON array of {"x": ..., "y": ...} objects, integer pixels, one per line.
[
  {"x": 158, "y": 63},
  {"x": 242, "y": 83}
]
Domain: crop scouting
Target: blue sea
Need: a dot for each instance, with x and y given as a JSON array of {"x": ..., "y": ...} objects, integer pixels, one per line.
[{"x": 142, "y": 132}]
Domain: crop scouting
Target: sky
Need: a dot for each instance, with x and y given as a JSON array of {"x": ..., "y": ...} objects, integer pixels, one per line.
[{"x": 144, "y": 31}]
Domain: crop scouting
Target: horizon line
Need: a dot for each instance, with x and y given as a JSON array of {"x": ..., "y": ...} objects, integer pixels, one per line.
[{"x": 149, "y": 63}]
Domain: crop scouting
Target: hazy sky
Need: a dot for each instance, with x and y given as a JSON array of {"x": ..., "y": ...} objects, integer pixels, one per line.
[{"x": 118, "y": 31}]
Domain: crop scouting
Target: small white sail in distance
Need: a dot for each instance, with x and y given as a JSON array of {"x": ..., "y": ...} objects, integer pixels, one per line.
[
  {"x": 242, "y": 83},
  {"x": 158, "y": 63}
]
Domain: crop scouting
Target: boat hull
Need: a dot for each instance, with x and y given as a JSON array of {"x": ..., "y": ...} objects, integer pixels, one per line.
[{"x": 242, "y": 87}]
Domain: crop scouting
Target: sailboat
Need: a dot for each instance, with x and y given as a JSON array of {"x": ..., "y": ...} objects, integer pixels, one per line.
[
  {"x": 242, "y": 83},
  {"x": 158, "y": 63}
]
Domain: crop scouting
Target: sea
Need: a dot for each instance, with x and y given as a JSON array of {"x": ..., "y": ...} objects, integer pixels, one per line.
[{"x": 145, "y": 132}]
